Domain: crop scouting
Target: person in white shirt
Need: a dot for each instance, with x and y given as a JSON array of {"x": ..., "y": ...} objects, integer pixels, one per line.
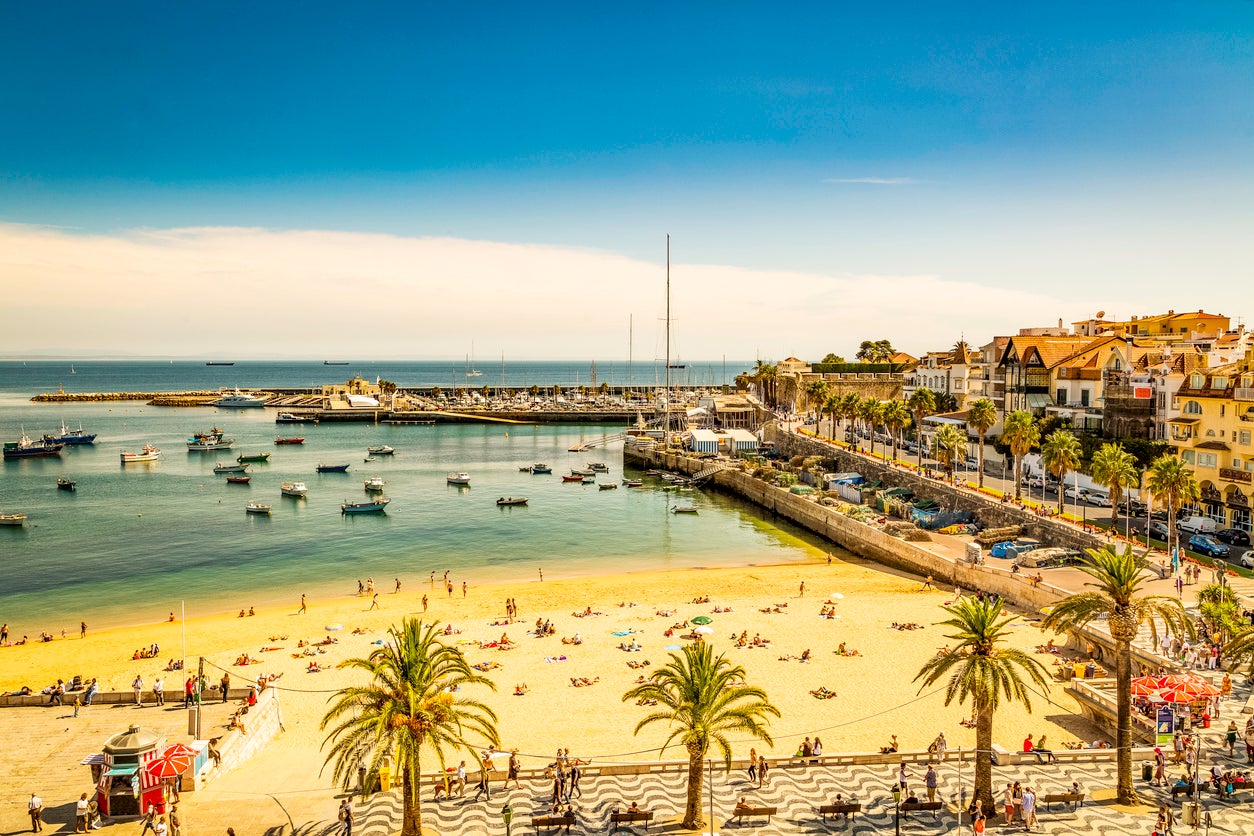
[
  {"x": 36, "y": 809},
  {"x": 81, "y": 813},
  {"x": 1029, "y": 808}
]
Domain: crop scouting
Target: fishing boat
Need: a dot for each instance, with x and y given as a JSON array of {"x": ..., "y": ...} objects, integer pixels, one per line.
[
  {"x": 525, "y": 469},
  {"x": 572, "y": 478},
  {"x": 252, "y": 457},
  {"x": 632, "y": 483},
  {"x": 27, "y": 448},
  {"x": 380, "y": 450},
  {"x": 69, "y": 436},
  {"x": 296, "y": 490},
  {"x": 66, "y": 484},
  {"x": 258, "y": 508},
  {"x": 227, "y": 467},
  {"x": 332, "y": 468},
  {"x": 300, "y": 439},
  {"x": 213, "y": 439},
  {"x": 506, "y": 501},
  {"x": 294, "y": 418},
  {"x": 374, "y": 484},
  {"x": 462, "y": 478},
  {"x": 588, "y": 480},
  {"x": 598, "y": 467},
  {"x": 147, "y": 453},
  {"x": 238, "y": 479},
  {"x": 373, "y": 506},
  {"x": 538, "y": 469},
  {"x": 684, "y": 509},
  {"x": 239, "y": 400},
  {"x": 13, "y": 519},
  {"x": 582, "y": 472},
  {"x": 608, "y": 486}
]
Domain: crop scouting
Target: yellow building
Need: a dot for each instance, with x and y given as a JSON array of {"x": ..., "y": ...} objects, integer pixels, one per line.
[
  {"x": 1214, "y": 434},
  {"x": 1168, "y": 327}
]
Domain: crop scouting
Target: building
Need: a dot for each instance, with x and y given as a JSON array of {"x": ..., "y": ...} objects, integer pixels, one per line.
[
  {"x": 1028, "y": 368},
  {"x": 1169, "y": 327}
]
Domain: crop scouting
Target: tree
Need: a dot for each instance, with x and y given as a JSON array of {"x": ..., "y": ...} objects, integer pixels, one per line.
[
  {"x": 869, "y": 411},
  {"x": 1171, "y": 482},
  {"x": 414, "y": 698},
  {"x": 981, "y": 416},
  {"x": 1020, "y": 433},
  {"x": 1220, "y": 609},
  {"x": 1116, "y": 597},
  {"x": 875, "y": 351},
  {"x": 1240, "y": 650},
  {"x": 896, "y": 417},
  {"x": 816, "y": 393},
  {"x": 1114, "y": 468},
  {"x": 831, "y": 406},
  {"x": 922, "y": 403},
  {"x": 849, "y": 406},
  {"x": 983, "y": 669},
  {"x": 1060, "y": 453},
  {"x": 951, "y": 443},
  {"x": 766, "y": 377},
  {"x": 703, "y": 698},
  {"x": 832, "y": 360}
]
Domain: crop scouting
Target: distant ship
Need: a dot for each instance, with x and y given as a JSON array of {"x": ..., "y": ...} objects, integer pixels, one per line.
[
  {"x": 220, "y": 363},
  {"x": 335, "y": 362}
]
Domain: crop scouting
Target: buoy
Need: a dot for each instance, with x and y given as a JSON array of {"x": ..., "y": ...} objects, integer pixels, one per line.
[{"x": 139, "y": 515}]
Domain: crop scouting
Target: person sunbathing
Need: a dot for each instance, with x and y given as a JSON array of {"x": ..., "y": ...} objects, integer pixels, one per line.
[
  {"x": 891, "y": 748},
  {"x": 805, "y": 655},
  {"x": 520, "y": 689},
  {"x": 314, "y": 667}
]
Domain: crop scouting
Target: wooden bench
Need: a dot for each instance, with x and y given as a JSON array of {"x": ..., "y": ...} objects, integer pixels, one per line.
[
  {"x": 1236, "y": 790},
  {"x": 553, "y": 821},
  {"x": 922, "y": 806},
  {"x": 1075, "y": 799},
  {"x": 1177, "y": 791},
  {"x": 743, "y": 813},
  {"x": 630, "y": 816},
  {"x": 839, "y": 810}
]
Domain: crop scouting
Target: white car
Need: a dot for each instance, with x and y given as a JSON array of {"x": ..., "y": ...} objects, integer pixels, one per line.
[
  {"x": 1099, "y": 499},
  {"x": 1076, "y": 493}
]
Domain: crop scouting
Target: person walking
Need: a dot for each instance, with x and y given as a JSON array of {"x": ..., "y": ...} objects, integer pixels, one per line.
[
  {"x": 158, "y": 691},
  {"x": 514, "y": 769},
  {"x": 346, "y": 816},
  {"x": 763, "y": 777},
  {"x": 138, "y": 687},
  {"x": 1160, "y": 767},
  {"x": 753, "y": 764},
  {"x": 82, "y": 813},
  {"x": 36, "y": 809},
  {"x": 1029, "y": 808},
  {"x": 930, "y": 781},
  {"x": 424, "y": 603},
  {"x": 303, "y": 607},
  {"x": 374, "y": 601}
]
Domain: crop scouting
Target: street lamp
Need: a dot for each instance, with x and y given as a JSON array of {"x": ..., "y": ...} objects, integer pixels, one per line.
[
  {"x": 507, "y": 816},
  {"x": 897, "y": 803}
]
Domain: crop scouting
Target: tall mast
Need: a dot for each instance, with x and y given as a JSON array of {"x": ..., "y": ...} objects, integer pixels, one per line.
[
  {"x": 630, "y": 344},
  {"x": 668, "y": 334}
]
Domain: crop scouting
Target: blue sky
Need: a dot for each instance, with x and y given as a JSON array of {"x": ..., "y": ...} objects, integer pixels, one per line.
[{"x": 1085, "y": 155}]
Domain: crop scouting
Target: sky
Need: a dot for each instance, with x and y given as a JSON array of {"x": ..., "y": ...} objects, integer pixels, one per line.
[{"x": 397, "y": 180}]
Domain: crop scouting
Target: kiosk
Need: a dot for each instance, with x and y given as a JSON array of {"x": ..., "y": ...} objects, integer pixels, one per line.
[{"x": 124, "y": 787}]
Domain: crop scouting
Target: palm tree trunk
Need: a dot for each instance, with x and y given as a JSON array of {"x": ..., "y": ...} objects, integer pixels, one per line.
[
  {"x": 692, "y": 808},
  {"x": 1116, "y": 496},
  {"x": 1062, "y": 493},
  {"x": 1123, "y": 735},
  {"x": 1018, "y": 477},
  {"x": 411, "y": 803},
  {"x": 984, "y": 755},
  {"x": 982, "y": 461}
]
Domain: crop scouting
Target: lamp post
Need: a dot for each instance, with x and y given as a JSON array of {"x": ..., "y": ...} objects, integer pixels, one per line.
[
  {"x": 897, "y": 804},
  {"x": 507, "y": 816}
]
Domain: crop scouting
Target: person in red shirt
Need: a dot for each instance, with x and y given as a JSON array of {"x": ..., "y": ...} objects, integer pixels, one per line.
[{"x": 1027, "y": 744}]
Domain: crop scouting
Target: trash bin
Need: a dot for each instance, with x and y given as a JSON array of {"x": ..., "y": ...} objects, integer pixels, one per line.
[
  {"x": 385, "y": 778},
  {"x": 1206, "y": 721},
  {"x": 1191, "y": 813},
  {"x": 1147, "y": 771}
]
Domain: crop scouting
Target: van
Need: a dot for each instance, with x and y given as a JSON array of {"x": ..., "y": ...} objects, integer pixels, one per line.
[{"x": 1198, "y": 525}]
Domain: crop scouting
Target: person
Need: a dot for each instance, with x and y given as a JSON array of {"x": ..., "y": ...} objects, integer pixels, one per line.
[
  {"x": 891, "y": 747},
  {"x": 927, "y": 583},
  {"x": 743, "y": 805},
  {"x": 36, "y": 809},
  {"x": 226, "y": 686},
  {"x": 424, "y": 603},
  {"x": 461, "y": 778},
  {"x": 514, "y": 768},
  {"x": 763, "y": 778},
  {"x": 802, "y": 593},
  {"x": 160, "y": 829},
  {"x": 302, "y": 604},
  {"x": 930, "y": 781},
  {"x": 374, "y": 601},
  {"x": 941, "y": 746},
  {"x": 633, "y": 808},
  {"x": 77, "y": 704},
  {"x": 176, "y": 824},
  {"x": 753, "y": 764},
  {"x": 150, "y": 820},
  {"x": 92, "y": 690},
  {"x": 346, "y": 811},
  {"x": 1029, "y": 808},
  {"x": 484, "y": 788},
  {"x": 1008, "y": 803},
  {"x": 903, "y": 779},
  {"x": 137, "y": 685},
  {"x": 158, "y": 691},
  {"x": 82, "y": 629},
  {"x": 818, "y": 746},
  {"x": 977, "y": 822},
  {"x": 1163, "y": 825},
  {"x": 1231, "y": 738}
]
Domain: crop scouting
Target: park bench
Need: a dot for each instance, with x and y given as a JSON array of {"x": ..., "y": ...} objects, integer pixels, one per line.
[
  {"x": 553, "y": 821},
  {"x": 1178, "y": 790},
  {"x": 839, "y": 809},
  {"x": 1075, "y": 799},
  {"x": 1236, "y": 789},
  {"x": 743, "y": 813},
  {"x": 630, "y": 816},
  {"x": 922, "y": 806}
]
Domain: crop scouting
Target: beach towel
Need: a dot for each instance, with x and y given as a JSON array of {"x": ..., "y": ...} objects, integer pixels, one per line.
[
  {"x": 672, "y": 647},
  {"x": 624, "y": 632}
]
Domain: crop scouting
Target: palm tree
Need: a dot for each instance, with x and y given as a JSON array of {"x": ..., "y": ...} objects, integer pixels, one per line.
[
  {"x": 849, "y": 405},
  {"x": 816, "y": 394},
  {"x": 1117, "y": 579},
  {"x": 1171, "y": 481},
  {"x": 766, "y": 375},
  {"x": 832, "y": 406},
  {"x": 413, "y": 699},
  {"x": 703, "y": 698},
  {"x": 1021, "y": 433},
  {"x": 983, "y": 669},
  {"x": 981, "y": 416},
  {"x": 869, "y": 410},
  {"x": 922, "y": 403},
  {"x": 896, "y": 417},
  {"x": 1061, "y": 454},
  {"x": 951, "y": 443},
  {"x": 1114, "y": 468}
]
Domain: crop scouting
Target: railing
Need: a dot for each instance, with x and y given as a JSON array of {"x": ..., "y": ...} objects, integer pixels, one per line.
[
  {"x": 1232, "y": 475},
  {"x": 1242, "y": 393}
]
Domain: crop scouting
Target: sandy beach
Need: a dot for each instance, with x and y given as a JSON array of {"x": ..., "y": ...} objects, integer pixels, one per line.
[{"x": 876, "y": 694}]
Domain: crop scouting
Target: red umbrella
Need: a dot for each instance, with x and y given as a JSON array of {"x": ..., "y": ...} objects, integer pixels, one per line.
[
  {"x": 170, "y": 764},
  {"x": 1143, "y": 686}
]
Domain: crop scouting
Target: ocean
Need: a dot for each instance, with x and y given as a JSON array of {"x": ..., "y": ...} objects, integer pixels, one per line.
[{"x": 135, "y": 541}]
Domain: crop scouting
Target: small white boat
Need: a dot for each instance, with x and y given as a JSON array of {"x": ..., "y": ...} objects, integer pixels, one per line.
[
  {"x": 608, "y": 486},
  {"x": 462, "y": 478},
  {"x": 381, "y": 450},
  {"x": 257, "y": 508},
  {"x": 507, "y": 501},
  {"x": 239, "y": 400},
  {"x": 147, "y": 453},
  {"x": 374, "y": 484},
  {"x": 373, "y": 506},
  {"x": 294, "y": 489},
  {"x": 684, "y": 509},
  {"x": 632, "y": 483},
  {"x": 13, "y": 519},
  {"x": 228, "y": 467}
]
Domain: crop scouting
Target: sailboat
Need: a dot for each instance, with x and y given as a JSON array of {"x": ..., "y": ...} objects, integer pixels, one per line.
[{"x": 471, "y": 371}]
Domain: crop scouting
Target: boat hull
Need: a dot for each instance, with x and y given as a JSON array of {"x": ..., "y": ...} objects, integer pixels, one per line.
[
  {"x": 364, "y": 507},
  {"x": 300, "y": 440},
  {"x": 332, "y": 468}
]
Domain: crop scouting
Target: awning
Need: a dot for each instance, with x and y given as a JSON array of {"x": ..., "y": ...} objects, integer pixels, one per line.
[
  {"x": 97, "y": 759},
  {"x": 1213, "y": 445},
  {"x": 1183, "y": 420},
  {"x": 1037, "y": 401},
  {"x": 126, "y": 769}
]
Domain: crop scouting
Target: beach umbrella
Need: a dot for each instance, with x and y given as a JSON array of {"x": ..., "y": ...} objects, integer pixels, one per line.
[
  {"x": 1143, "y": 686},
  {"x": 701, "y": 619},
  {"x": 170, "y": 764},
  {"x": 703, "y": 629}
]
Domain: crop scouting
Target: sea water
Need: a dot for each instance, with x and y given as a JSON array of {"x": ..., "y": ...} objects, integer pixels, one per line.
[{"x": 134, "y": 541}]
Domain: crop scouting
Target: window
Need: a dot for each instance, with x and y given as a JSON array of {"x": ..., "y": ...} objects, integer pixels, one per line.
[
  {"x": 1060, "y": 397},
  {"x": 1219, "y": 383},
  {"x": 1197, "y": 381},
  {"x": 1206, "y": 460},
  {"x": 1084, "y": 397},
  {"x": 1243, "y": 436},
  {"x": 1187, "y": 456},
  {"x": 1192, "y": 408}
]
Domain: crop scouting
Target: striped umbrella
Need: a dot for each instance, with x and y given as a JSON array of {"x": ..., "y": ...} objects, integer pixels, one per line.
[{"x": 171, "y": 763}]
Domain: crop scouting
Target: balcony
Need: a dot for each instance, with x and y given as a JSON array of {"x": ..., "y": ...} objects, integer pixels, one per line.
[
  {"x": 1243, "y": 394},
  {"x": 1229, "y": 474}
]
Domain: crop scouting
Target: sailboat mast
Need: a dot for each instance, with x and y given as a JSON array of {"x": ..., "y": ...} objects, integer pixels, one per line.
[{"x": 668, "y": 335}]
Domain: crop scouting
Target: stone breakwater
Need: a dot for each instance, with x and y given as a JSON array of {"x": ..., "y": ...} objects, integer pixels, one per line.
[{"x": 100, "y": 397}]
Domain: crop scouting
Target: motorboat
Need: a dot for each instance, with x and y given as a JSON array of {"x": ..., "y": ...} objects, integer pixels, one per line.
[
  {"x": 373, "y": 506},
  {"x": 574, "y": 477},
  {"x": 374, "y": 484},
  {"x": 252, "y": 457},
  {"x": 66, "y": 484},
  {"x": 632, "y": 483},
  {"x": 462, "y": 478},
  {"x": 296, "y": 490},
  {"x": 332, "y": 468},
  {"x": 598, "y": 467},
  {"x": 507, "y": 501},
  {"x": 300, "y": 439},
  {"x": 684, "y": 509},
  {"x": 13, "y": 519},
  {"x": 28, "y": 448},
  {"x": 258, "y": 508},
  {"x": 147, "y": 453},
  {"x": 582, "y": 472},
  {"x": 381, "y": 450},
  {"x": 608, "y": 486},
  {"x": 227, "y": 467},
  {"x": 69, "y": 436},
  {"x": 539, "y": 468},
  {"x": 588, "y": 480},
  {"x": 239, "y": 400},
  {"x": 214, "y": 439},
  {"x": 238, "y": 479},
  {"x": 294, "y": 418}
]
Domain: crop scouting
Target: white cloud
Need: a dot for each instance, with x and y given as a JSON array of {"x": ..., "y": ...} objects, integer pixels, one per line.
[{"x": 242, "y": 292}]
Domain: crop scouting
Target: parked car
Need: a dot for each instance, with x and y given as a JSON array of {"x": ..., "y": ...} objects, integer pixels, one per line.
[
  {"x": 1076, "y": 493},
  {"x": 1233, "y": 536},
  {"x": 1159, "y": 530},
  {"x": 1133, "y": 507},
  {"x": 973, "y": 463},
  {"x": 1207, "y": 545},
  {"x": 1097, "y": 498},
  {"x": 1247, "y": 560},
  {"x": 1197, "y": 525}
]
